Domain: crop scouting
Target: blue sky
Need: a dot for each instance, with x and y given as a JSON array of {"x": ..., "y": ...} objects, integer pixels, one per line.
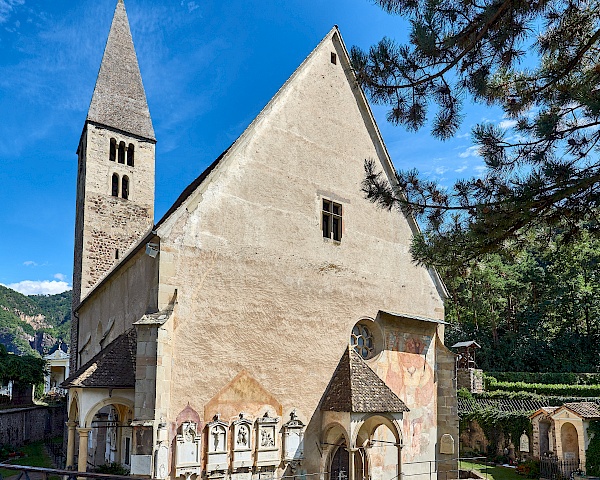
[{"x": 208, "y": 69}]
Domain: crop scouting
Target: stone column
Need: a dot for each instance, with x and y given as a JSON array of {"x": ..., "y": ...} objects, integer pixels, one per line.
[
  {"x": 399, "y": 467},
  {"x": 119, "y": 446},
  {"x": 352, "y": 467},
  {"x": 70, "y": 444},
  {"x": 83, "y": 444}
]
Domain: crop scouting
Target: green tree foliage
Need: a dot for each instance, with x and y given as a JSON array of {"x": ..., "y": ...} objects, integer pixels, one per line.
[
  {"x": 26, "y": 369},
  {"x": 592, "y": 454},
  {"x": 496, "y": 424},
  {"x": 544, "y": 171},
  {"x": 536, "y": 310}
]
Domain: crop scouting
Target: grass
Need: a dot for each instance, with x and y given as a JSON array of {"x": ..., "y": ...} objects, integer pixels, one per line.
[
  {"x": 35, "y": 456},
  {"x": 492, "y": 473}
]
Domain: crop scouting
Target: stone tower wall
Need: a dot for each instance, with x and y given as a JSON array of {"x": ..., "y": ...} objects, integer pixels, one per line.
[
  {"x": 110, "y": 223},
  {"x": 104, "y": 223}
]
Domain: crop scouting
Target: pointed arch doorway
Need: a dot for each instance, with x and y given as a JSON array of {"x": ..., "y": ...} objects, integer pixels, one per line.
[{"x": 339, "y": 468}]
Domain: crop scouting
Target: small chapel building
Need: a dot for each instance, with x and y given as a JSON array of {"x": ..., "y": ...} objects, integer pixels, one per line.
[{"x": 271, "y": 324}]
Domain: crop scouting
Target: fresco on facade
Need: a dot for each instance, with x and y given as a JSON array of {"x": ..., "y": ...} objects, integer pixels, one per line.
[{"x": 407, "y": 368}]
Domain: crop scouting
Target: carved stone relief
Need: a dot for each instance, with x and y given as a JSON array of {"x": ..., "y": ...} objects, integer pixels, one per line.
[
  {"x": 293, "y": 439},
  {"x": 217, "y": 445},
  {"x": 267, "y": 449},
  {"x": 187, "y": 453},
  {"x": 242, "y": 443}
]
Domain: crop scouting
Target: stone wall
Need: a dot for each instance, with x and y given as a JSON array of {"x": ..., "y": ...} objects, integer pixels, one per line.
[
  {"x": 107, "y": 226},
  {"x": 19, "y": 426},
  {"x": 447, "y": 414},
  {"x": 473, "y": 440},
  {"x": 471, "y": 379}
]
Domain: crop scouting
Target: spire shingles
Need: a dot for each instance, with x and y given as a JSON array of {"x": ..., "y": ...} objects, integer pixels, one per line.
[{"x": 119, "y": 99}]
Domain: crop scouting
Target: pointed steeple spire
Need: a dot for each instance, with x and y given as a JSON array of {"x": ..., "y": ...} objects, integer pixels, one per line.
[{"x": 119, "y": 99}]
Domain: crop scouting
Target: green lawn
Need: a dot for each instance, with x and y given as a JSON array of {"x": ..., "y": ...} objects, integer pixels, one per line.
[
  {"x": 492, "y": 473},
  {"x": 35, "y": 456}
]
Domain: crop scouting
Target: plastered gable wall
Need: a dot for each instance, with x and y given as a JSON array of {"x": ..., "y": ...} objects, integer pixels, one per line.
[
  {"x": 129, "y": 293},
  {"x": 259, "y": 289}
]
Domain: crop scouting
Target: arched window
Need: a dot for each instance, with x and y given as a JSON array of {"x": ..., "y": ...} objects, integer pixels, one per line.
[
  {"x": 125, "y": 187},
  {"x": 112, "y": 156},
  {"x": 115, "y": 185},
  {"x": 130, "y": 151},
  {"x": 122, "y": 152}
]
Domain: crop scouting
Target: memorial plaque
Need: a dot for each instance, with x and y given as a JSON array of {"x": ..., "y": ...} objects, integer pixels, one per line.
[
  {"x": 447, "y": 444},
  {"x": 162, "y": 462},
  {"x": 524, "y": 443}
]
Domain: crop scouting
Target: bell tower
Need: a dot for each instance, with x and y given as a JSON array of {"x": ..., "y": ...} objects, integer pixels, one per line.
[{"x": 115, "y": 175}]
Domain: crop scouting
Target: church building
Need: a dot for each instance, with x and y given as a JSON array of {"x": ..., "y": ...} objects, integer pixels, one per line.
[{"x": 271, "y": 324}]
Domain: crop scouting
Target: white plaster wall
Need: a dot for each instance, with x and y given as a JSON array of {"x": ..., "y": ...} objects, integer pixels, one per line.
[
  {"x": 128, "y": 294},
  {"x": 259, "y": 289}
]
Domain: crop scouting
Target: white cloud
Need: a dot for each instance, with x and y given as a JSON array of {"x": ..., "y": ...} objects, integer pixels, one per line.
[
  {"x": 470, "y": 152},
  {"x": 441, "y": 170},
  {"x": 507, "y": 124},
  {"x": 7, "y": 7},
  {"x": 60, "y": 276},
  {"x": 480, "y": 169},
  {"x": 191, "y": 6},
  {"x": 30, "y": 263},
  {"x": 40, "y": 287},
  {"x": 461, "y": 169}
]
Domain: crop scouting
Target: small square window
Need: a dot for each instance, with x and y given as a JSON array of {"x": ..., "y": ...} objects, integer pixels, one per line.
[
  {"x": 333, "y": 58},
  {"x": 332, "y": 220}
]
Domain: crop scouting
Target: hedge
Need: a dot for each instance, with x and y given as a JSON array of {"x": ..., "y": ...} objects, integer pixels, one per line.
[
  {"x": 547, "y": 378},
  {"x": 549, "y": 400},
  {"x": 543, "y": 389}
]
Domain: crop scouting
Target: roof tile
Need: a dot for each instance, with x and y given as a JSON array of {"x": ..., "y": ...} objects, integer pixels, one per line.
[
  {"x": 112, "y": 367},
  {"x": 354, "y": 387}
]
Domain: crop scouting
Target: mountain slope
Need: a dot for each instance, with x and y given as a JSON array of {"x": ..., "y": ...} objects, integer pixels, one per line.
[{"x": 34, "y": 322}]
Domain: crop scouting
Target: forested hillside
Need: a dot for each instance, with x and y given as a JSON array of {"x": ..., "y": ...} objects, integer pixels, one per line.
[
  {"x": 23, "y": 319},
  {"x": 534, "y": 309}
]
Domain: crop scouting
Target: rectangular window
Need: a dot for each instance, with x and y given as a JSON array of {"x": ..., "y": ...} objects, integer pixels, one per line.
[{"x": 332, "y": 220}]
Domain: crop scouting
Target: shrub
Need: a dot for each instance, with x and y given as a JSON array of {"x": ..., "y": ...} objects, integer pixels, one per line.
[
  {"x": 529, "y": 469},
  {"x": 113, "y": 468}
]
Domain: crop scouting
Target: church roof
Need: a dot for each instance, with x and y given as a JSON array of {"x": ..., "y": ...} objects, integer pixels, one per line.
[
  {"x": 112, "y": 367},
  {"x": 469, "y": 343},
  {"x": 584, "y": 409},
  {"x": 356, "y": 388},
  {"x": 119, "y": 99}
]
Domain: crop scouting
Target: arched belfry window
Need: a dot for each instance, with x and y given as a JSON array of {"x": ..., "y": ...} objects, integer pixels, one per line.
[
  {"x": 115, "y": 185},
  {"x": 122, "y": 152},
  {"x": 125, "y": 187},
  {"x": 112, "y": 156},
  {"x": 130, "y": 154}
]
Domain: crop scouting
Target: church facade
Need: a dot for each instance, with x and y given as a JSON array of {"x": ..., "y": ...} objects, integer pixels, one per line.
[{"x": 271, "y": 324}]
